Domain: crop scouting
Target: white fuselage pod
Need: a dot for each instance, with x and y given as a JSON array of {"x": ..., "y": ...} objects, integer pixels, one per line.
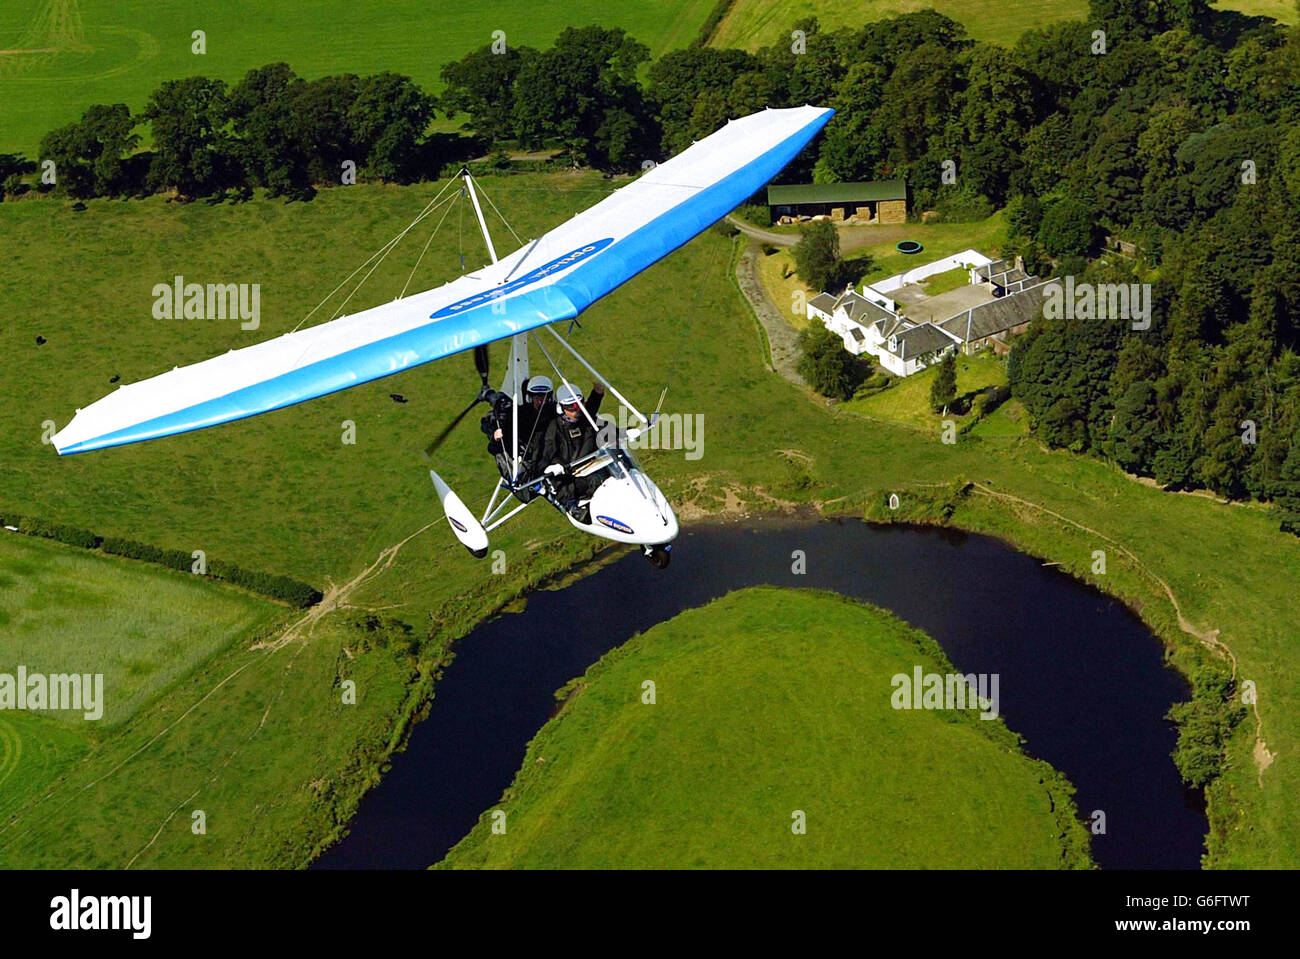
[{"x": 629, "y": 508}]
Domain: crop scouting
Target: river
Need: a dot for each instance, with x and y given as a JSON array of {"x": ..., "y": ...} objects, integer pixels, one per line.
[{"x": 1081, "y": 678}]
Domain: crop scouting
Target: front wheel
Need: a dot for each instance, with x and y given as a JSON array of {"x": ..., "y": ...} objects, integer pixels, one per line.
[{"x": 658, "y": 556}]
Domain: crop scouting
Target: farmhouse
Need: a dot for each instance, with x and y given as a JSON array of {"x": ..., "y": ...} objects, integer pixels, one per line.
[
  {"x": 1000, "y": 302},
  {"x": 994, "y": 323},
  {"x": 881, "y": 201}
]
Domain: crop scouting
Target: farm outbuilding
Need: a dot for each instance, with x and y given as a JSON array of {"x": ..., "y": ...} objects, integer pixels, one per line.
[{"x": 880, "y": 201}]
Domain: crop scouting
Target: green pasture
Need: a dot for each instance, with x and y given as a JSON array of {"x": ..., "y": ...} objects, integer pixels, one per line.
[
  {"x": 66, "y": 610},
  {"x": 51, "y": 70},
  {"x": 769, "y": 703},
  {"x": 907, "y": 399}
]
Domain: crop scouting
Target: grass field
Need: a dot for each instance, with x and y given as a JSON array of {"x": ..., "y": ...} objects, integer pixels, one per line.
[
  {"x": 127, "y": 47},
  {"x": 769, "y": 701},
  {"x": 68, "y": 610},
  {"x": 259, "y": 736},
  {"x": 907, "y": 400},
  {"x": 755, "y": 23}
]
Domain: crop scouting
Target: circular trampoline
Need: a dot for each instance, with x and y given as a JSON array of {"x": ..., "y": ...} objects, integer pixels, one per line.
[{"x": 908, "y": 246}]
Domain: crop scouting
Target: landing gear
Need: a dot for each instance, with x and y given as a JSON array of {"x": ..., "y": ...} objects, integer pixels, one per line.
[{"x": 658, "y": 556}]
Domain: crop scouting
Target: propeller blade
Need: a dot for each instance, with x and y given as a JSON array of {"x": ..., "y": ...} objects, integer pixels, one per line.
[
  {"x": 480, "y": 364},
  {"x": 441, "y": 437}
]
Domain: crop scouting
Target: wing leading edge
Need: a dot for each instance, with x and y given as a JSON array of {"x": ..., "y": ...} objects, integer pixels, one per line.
[{"x": 551, "y": 279}]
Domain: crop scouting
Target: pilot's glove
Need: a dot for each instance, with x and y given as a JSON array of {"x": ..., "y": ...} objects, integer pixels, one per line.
[{"x": 555, "y": 469}]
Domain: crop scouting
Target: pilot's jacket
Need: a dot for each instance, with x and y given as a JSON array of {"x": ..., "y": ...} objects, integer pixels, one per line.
[
  {"x": 532, "y": 430},
  {"x": 565, "y": 441}
]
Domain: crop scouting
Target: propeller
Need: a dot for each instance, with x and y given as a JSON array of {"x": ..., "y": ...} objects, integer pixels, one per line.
[{"x": 480, "y": 364}]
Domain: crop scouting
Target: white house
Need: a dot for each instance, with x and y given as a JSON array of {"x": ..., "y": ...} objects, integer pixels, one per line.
[
  {"x": 852, "y": 316},
  {"x": 910, "y": 350}
]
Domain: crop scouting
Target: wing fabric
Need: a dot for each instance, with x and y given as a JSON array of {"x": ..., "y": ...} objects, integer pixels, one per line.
[{"x": 553, "y": 278}]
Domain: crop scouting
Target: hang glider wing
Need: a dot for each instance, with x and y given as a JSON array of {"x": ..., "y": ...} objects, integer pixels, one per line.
[{"x": 553, "y": 278}]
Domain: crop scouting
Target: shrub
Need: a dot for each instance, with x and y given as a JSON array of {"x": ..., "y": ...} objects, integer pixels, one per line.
[
  {"x": 990, "y": 399},
  {"x": 284, "y": 588},
  {"x": 72, "y": 535}
]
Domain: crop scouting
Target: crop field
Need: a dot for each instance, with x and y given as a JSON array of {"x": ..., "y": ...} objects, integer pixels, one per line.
[
  {"x": 754, "y": 23},
  {"x": 58, "y": 57},
  {"x": 769, "y": 701},
  {"x": 259, "y": 738}
]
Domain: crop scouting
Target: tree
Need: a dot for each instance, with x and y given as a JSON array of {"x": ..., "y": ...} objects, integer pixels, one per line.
[
  {"x": 828, "y": 368},
  {"x": 194, "y": 152},
  {"x": 676, "y": 81},
  {"x": 943, "y": 388},
  {"x": 1286, "y": 496},
  {"x": 854, "y": 144},
  {"x": 996, "y": 112},
  {"x": 272, "y": 145},
  {"x": 1067, "y": 228},
  {"x": 90, "y": 155},
  {"x": 817, "y": 254},
  {"x": 577, "y": 90},
  {"x": 482, "y": 85},
  {"x": 12, "y": 169},
  {"x": 1134, "y": 431},
  {"x": 388, "y": 119}
]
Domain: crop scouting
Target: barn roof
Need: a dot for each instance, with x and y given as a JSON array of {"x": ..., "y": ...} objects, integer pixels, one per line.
[
  {"x": 997, "y": 315},
  {"x": 795, "y": 194}
]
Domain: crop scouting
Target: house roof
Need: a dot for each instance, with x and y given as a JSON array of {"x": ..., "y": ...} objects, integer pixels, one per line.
[
  {"x": 920, "y": 340},
  {"x": 795, "y": 194},
  {"x": 861, "y": 310},
  {"x": 891, "y": 325},
  {"x": 824, "y": 302},
  {"x": 997, "y": 315}
]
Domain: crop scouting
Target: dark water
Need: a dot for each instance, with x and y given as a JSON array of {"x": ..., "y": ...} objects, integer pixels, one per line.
[{"x": 1081, "y": 679}]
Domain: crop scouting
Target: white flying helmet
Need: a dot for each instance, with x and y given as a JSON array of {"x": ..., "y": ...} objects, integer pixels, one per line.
[{"x": 567, "y": 396}]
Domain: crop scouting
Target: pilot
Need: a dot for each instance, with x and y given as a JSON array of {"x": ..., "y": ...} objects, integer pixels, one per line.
[
  {"x": 534, "y": 415},
  {"x": 569, "y": 437}
]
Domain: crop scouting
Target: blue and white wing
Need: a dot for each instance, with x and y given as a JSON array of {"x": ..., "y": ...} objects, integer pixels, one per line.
[{"x": 553, "y": 278}]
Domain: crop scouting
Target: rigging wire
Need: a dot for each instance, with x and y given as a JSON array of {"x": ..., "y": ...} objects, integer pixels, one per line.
[
  {"x": 391, "y": 247},
  {"x": 381, "y": 253},
  {"x": 420, "y": 259},
  {"x": 498, "y": 213}
]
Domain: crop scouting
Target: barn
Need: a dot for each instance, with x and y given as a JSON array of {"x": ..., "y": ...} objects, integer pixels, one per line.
[{"x": 880, "y": 201}]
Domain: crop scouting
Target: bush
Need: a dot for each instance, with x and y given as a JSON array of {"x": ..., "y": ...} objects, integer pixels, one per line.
[
  {"x": 72, "y": 535},
  {"x": 284, "y": 588},
  {"x": 963, "y": 208},
  {"x": 878, "y": 381},
  {"x": 990, "y": 399},
  {"x": 759, "y": 214}
]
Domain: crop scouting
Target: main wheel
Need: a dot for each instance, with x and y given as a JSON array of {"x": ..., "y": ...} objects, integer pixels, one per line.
[{"x": 658, "y": 557}]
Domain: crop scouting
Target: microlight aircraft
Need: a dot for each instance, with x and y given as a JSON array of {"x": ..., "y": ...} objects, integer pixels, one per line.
[{"x": 547, "y": 281}]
